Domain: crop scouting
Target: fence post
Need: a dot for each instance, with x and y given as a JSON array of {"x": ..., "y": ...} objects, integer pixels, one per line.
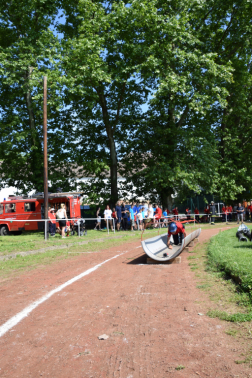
[
  {"x": 46, "y": 230},
  {"x": 79, "y": 229},
  {"x": 194, "y": 219},
  {"x": 226, "y": 217},
  {"x": 107, "y": 226},
  {"x": 114, "y": 225}
]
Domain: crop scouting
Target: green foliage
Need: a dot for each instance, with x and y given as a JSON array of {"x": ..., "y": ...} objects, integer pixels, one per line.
[
  {"x": 189, "y": 61},
  {"x": 29, "y": 52},
  {"x": 233, "y": 258}
]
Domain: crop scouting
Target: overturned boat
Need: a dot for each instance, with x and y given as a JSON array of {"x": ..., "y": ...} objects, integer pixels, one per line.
[{"x": 156, "y": 247}]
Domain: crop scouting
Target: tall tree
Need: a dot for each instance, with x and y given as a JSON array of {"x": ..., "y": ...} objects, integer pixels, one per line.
[
  {"x": 28, "y": 50},
  {"x": 111, "y": 63},
  {"x": 177, "y": 132}
]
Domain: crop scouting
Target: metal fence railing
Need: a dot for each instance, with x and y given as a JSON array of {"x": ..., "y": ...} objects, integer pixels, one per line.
[{"x": 77, "y": 223}]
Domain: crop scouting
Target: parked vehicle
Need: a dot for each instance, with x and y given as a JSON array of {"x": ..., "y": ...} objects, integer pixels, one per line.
[{"x": 20, "y": 213}]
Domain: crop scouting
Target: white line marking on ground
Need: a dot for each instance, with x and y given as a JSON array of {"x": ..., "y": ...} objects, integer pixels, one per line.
[{"x": 21, "y": 315}]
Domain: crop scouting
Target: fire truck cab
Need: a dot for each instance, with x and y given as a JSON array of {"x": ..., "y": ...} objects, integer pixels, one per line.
[{"x": 22, "y": 213}]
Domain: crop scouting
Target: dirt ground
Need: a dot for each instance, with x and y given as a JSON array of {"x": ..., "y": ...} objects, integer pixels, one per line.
[{"x": 149, "y": 312}]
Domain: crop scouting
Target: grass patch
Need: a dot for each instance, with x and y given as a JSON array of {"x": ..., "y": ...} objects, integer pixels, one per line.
[
  {"x": 204, "y": 286},
  {"x": 180, "y": 367},
  {"x": 237, "y": 317},
  {"x": 30, "y": 241},
  {"x": 226, "y": 254},
  {"x": 229, "y": 302},
  {"x": 231, "y": 332},
  {"x": 24, "y": 263}
]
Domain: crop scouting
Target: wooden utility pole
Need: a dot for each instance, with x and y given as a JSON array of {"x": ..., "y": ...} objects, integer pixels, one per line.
[{"x": 45, "y": 154}]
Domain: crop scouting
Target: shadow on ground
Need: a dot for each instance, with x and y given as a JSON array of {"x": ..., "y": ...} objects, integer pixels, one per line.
[{"x": 136, "y": 260}]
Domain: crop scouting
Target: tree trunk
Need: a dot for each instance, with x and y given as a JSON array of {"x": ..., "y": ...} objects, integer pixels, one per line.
[
  {"x": 166, "y": 199},
  {"x": 112, "y": 149}
]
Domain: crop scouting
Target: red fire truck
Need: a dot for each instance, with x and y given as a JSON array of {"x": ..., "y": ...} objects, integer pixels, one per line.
[{"x": 17, "y": 212}]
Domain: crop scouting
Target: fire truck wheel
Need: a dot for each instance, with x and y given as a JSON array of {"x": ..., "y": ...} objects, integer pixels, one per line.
[{"x": 4, "y": 231}]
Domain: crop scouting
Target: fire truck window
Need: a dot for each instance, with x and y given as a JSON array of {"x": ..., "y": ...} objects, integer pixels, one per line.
[
  {"x": 30, "y": 206},
  {"x": 1, "y": 209},
  {"x": 10, "y": 208}
]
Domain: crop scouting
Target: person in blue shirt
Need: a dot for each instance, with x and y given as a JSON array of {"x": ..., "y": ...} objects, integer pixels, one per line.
[
  {"x": 132, "y": 218},
  {"x": 118, "y": 215},
  {"x": 136, "y": 211},
  {"x": 240, "y": 212},
  {"x": 135, "y": 208},
  {"x": 165, "y": 220}
]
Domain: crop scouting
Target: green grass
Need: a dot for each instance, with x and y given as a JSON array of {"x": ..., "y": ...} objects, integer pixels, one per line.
[
  {"x": 231, "y": 261},
  {"x": 180, "y": 367},
  {"x": 34, "y": 241},
  {"x": 234, "y": 258}
]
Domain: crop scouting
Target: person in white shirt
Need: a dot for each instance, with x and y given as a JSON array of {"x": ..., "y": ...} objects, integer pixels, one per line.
[
  {"x": 108, "y": 217},
  {"x": 149, "y": 219},
  {"x": 140, "y": 219}
]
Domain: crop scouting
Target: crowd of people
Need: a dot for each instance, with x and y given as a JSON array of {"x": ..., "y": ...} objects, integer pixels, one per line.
[
  {"x": 135, "y": 216},
  {"x": 140, "y": 216},
  {"x": 240, "y": 212}
]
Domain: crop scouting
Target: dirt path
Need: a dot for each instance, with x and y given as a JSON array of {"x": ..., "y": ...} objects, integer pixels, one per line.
[{"x": 140, "y": 307}]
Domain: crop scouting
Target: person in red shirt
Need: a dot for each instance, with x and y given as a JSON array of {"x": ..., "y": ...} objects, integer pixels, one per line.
[
  {"x": 247, "y": 211},
  {"x": 230, "y": 211},
  {"x": 223, "y": 211},
  {"x": 157, "y": 215},
  {"x": 175, "y": 212},
  {"x": 177, "y": 230},
  {"x": 206, "y": 211},
  {"x": 196, "y": 212},
  {"x": 52, "y": 223},
  {"x": 250, "y": 210}
]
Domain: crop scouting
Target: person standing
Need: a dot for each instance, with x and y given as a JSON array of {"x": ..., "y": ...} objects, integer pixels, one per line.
[
  {"x": 148, "y": 220},
  {"x": 212, "y": 212},
  {"x": 124, "y": 217},
  {"x": 196, "y": 212},
  {"x": 165, "y": 216},
  {"x": 223, "y": 213},
  {"x": 62, "y": 217},
  {"x": 175, "y": 212},
  {"x": 250, "y": 210},
  {"x": 118, "y": 215},
  {"x": 98, "y": 219},
  {"x": 132, "y": 218},
  {"x": 230, "y": 213},
  {"x": 235, "y": 212},
  {"x": 240, "y": 212},
  {"x": 108, "y": 217},
  {"x": 140, "y": 219},
  {"x": 114, "y": 217},
  {"x": 177, "y": 230},
  {"x": 247, "y": 211},
  {"x": 52, "y": 223},
  {"x": 158, "y": 215},
  {"x": 145, "y": 209}
]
